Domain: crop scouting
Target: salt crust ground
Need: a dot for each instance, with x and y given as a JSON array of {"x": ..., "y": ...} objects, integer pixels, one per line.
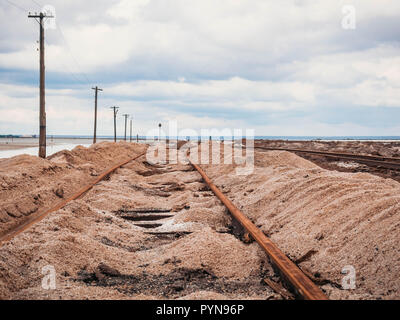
[{"x": 323, "y": 220}]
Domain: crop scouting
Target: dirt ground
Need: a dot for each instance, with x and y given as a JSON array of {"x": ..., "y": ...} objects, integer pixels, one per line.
[
  {"x": 28, "y": 183},
  {"x": 157, "y": 232},
  {"x": 372, "y": 148}
]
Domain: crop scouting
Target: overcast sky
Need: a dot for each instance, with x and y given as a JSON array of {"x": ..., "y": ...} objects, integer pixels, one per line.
[{"x": 280, "y": 67}]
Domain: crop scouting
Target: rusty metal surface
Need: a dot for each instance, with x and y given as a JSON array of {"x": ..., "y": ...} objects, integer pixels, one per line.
[
  {"x": 364, "y": 159},
  {"x": 9, "y": 235},
  {"x": 303, "y": 285}
]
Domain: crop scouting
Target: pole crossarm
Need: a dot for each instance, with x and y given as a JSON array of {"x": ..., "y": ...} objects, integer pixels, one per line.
[{"x": 39, "y": 16}]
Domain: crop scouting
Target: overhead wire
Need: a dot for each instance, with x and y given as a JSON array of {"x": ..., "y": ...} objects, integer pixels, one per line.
[
  {"x": 85, "y": 78},
  {"x": 72, "y": 75},
  {"x": 16, "y": 6},
  {"x": 37, "y": 3},
  {"x": 73, "y": 57}
]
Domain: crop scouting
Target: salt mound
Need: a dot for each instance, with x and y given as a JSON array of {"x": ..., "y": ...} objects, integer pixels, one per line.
[
  {"x": 65, "y": 241},
  {"x": 29, "y": 184},
  {"x": 325, "y": 220},
  {"x": 220, "y": 254},
  {"x": 283, "y": 159},
  {"x": 216, "y": 217},
  {"x": 102, "y": 154},
  {"x": 322, "y": 220}
]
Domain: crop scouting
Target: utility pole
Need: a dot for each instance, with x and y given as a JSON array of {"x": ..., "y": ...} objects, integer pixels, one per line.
[
  {"x": 42, "y": 116},
  {"x": 126, "y": 123},
  {"x": 159, "y": 132},
  {"x": 97, "y": 89},
  {"x": 131, "y": 130},
  {"x": 115, "y": 122}
]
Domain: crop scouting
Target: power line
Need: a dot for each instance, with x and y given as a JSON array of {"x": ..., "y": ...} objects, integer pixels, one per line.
[
  {"x": 67, "y": 70},
  {"x": 37, "y": 3},
  {"x": 59, "y": 29},
  {"x": 17, "y": 6},
  {"x": 70, "y": 51}
]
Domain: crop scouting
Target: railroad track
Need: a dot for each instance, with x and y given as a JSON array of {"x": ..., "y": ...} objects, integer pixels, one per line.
[
  {"x": 384, "y": 162},
  {"x": 10, "y": 234},
  {"x": 299, "y": 283}
]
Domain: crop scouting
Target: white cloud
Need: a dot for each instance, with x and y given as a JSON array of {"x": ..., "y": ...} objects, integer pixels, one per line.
[
  {"x": 214, "y": 35},
  {"x": 208, "y": 63},
  {"x": 235, "y": 89}
]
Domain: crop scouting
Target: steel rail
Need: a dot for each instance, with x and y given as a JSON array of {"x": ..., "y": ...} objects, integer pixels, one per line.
[
  {"x": 379, "y": 161},
  {"x": 9, "y": 235},
  {"x": 304, "y": 286}
]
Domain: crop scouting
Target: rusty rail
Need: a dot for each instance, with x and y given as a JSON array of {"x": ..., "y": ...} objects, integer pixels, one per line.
[
  {"x": 364, "y": 159},
  {"x": 304, "y": 286},
  {"x": 9, "y": 235}
]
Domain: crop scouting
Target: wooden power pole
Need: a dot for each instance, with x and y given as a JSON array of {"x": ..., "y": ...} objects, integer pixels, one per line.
[
  {"x": 131, "y": 130},
  {"x": 97, "y": 89},
  {"x": 126, "y": 123},
  {"x": 42, "y": 116},
  {"x": 115, "y": 122}
]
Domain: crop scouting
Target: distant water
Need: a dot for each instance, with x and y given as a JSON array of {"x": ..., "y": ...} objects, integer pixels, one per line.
[
  {"x": 313, "y": 138},
  {"x": 302, "y": 138},
  {"x": 310, "y": 138},
  {"x": 34, "y": 151},
  {"x": 70, "y": 142},
  {"x": 290, "y": 138}
]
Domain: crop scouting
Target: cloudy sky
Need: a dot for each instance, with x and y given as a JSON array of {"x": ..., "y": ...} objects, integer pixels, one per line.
[{"x": 284, "y": 67}]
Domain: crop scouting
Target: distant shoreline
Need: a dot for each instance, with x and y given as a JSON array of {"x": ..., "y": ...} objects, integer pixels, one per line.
[
  {"x": 16, "y": 146},
  {"x": 17, "y": 143},
  {"x": 10, "y": 139}
]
